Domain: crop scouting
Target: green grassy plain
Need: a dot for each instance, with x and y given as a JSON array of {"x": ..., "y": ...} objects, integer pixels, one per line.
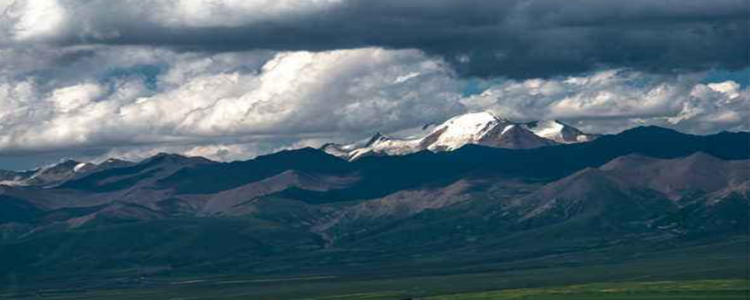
[
  {"x": 707, "y": 271},
  {"x": 660, "y": 290}
]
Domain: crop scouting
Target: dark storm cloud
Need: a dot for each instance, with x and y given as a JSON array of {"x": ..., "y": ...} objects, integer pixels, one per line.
[
  {"x": 520, "y": 39},
  {"x": 92, "y": 79}
]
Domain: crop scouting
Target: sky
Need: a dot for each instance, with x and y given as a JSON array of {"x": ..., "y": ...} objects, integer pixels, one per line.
[{"x": 233, "y": 79}]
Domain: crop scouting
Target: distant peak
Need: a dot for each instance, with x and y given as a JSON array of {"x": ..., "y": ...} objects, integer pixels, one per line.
[
  {"x": 296, "y": 151},
  {"x": 68, "y": 162},
  {"x": 471, "y": 121},
  {"x": 482, "y": 127},
  {"x": 82, "y": 167},
  {"x": 482, "y": 116},
  {"x": 305, "y": 153},
  {"x": 114, "y": 160},
  {"x": 701, "y": 156},
  {"x": 427, "y": 126},
  {"x": 556, "y": 121},
  {"x": 541, "y": 122},
  {"x": 176, "y": 158},
  {"x": 652, "y": 129},
  {"x": 162, "y": 156},
  {"x": 329, "y": 145},
  {"x": 378, "y": 137},
  {"x": 167, "y": 154}
]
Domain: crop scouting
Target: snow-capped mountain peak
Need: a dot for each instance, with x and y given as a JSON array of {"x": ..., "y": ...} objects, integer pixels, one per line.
[
  {"x": 481, "y": 128},
  {"x": 376, "y": 139},
  {"x": 464, "y": 129},
  {"x": 547, "y": 129},
  {"x": 82, "y": 167},
  {"x": 558, "y": 131}
]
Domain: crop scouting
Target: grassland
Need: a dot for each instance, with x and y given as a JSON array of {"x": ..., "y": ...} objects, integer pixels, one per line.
[
  {"x": 705, "y": 271},
  {"x": 661, "y": 290},
  {"x": 658, "y": 290}
]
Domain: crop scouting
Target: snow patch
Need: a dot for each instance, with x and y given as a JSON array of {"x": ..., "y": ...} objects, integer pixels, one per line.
[
  {"x": 464, "y": 129},
  {"x": 78, "y": 167},
  {"x": 404, "y": 78},
  {"x": 548, "y": 129}
]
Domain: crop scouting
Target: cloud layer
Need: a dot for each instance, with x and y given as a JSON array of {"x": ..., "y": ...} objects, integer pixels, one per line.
[
  {"x": 201, "y": 103},
  {"x": 514, "y": 38},
  {"x": 613, "y": 100},
  {"x": 231, "y": 79},
  {"x": 290, "y": 95}
]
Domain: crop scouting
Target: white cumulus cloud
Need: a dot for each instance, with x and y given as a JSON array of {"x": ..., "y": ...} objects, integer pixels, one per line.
[
  {"x": 614, "y": 100},
  {"x": 288, "y": 97}
]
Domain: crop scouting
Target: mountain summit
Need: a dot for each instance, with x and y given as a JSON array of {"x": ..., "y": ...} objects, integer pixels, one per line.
[{"x": 480, "y": 128}]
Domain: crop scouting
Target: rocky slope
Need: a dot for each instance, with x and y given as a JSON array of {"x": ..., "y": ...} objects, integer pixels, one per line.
[{"x": 646, "y": 186}]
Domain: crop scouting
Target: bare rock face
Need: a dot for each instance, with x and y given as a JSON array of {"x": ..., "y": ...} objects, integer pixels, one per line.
[
  {"x": 514, "y": 137},
  {"x": 589, "y": 195},
  {"x": 696, "y": 174},
  {"x": 637, "y": 190},
  {"x": 227, "y": 202}
]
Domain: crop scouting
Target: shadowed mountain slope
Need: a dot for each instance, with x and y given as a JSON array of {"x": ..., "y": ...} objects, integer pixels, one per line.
[{"x": 644, "y": 190}]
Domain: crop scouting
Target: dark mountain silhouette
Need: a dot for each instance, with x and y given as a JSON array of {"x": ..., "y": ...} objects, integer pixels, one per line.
[
  {"x": 122, "y": 175},
  {"x": 652, "y": 187},
  {"x": 384, "y": 175}
]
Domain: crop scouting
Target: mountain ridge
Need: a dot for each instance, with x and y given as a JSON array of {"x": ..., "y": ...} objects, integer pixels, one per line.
[
  {"x": 480, "y": 128},
  {"x": 304, "y": 208}
]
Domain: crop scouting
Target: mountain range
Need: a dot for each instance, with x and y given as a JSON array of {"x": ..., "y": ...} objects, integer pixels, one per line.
[
  {"x": 482, "y": 128},
  {"x": 477, "y": 188}
]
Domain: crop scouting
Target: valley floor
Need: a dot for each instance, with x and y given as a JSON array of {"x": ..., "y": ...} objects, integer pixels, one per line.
[
  {"x": 698, "y": 273},
  {"x": 658, "y": 290},
  {"x": 708, "y": 268}
]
